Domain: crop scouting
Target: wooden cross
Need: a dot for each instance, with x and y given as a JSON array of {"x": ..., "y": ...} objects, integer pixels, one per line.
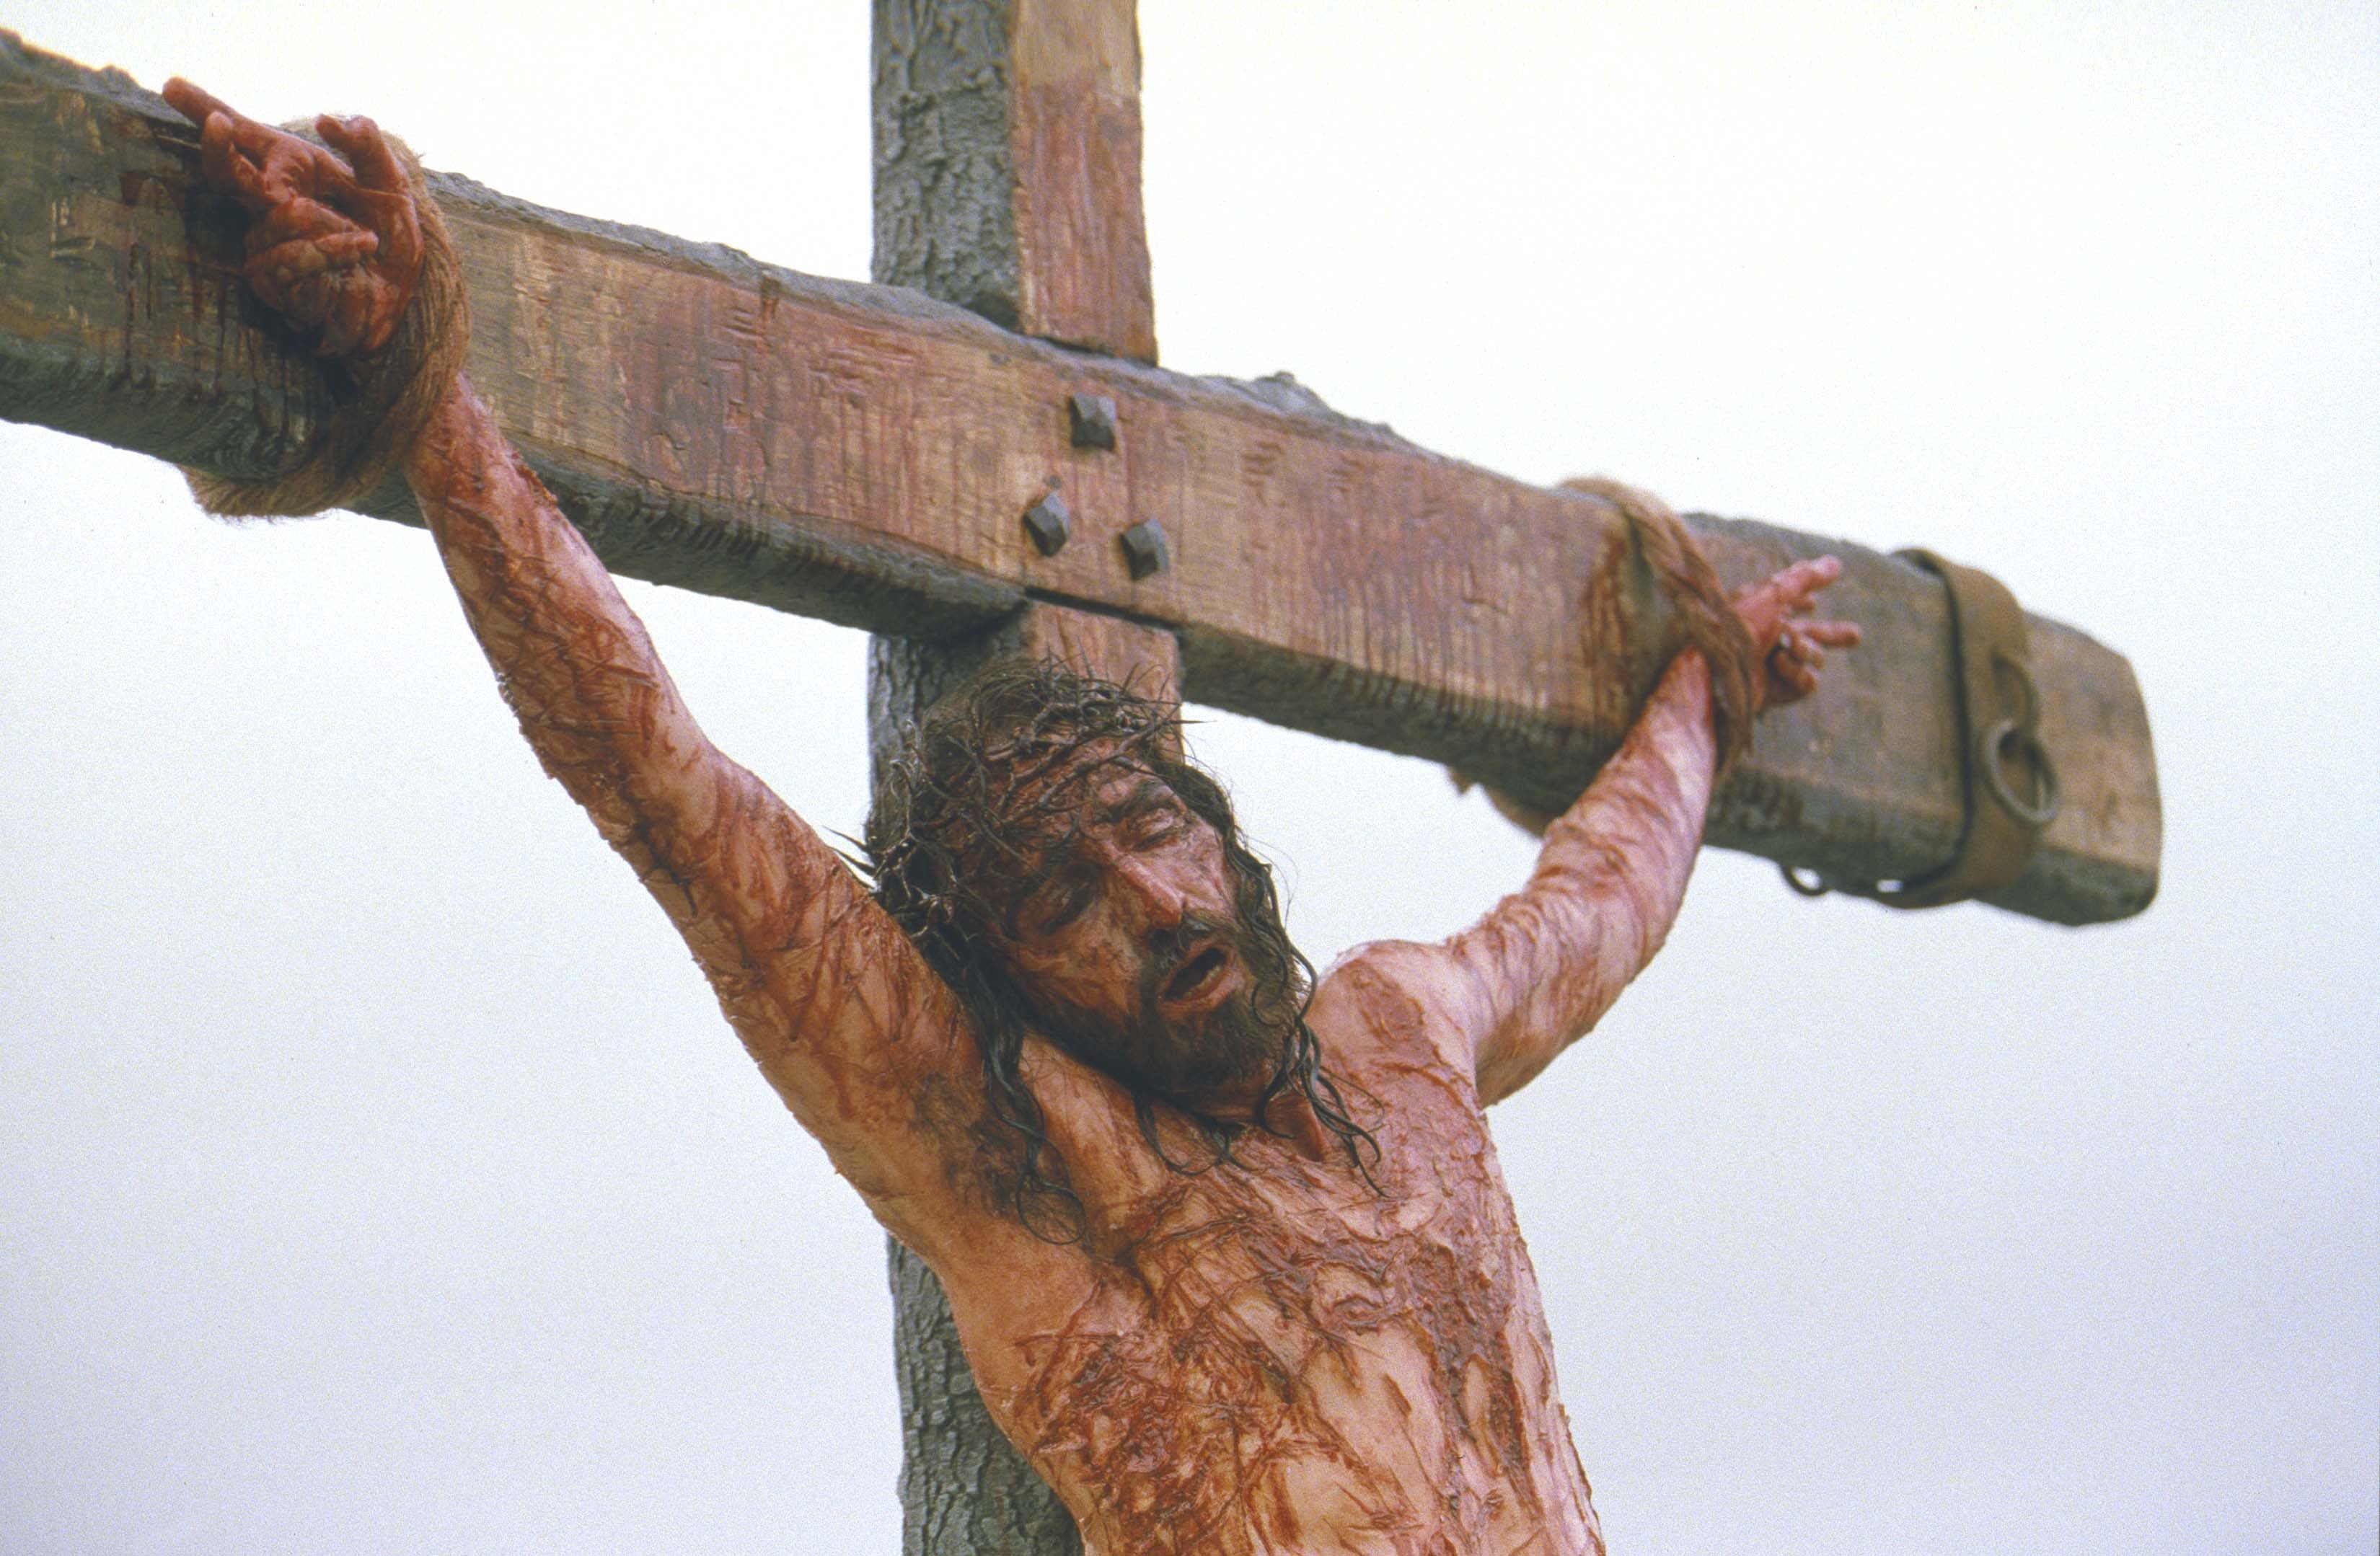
[{"x": 898, "y": 456}]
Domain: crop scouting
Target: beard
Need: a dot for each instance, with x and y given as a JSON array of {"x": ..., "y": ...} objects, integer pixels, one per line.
[{"x": 1246, "y": 1038}]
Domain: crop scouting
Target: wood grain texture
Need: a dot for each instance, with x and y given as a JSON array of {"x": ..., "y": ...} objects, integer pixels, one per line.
[
  {"x": 946, "y": 163},
  {"x": 865, "y": 453},
  {"x": 1075, "y": 128}
]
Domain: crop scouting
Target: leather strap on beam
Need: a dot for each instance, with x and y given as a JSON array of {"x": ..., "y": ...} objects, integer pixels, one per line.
[{"x": 2010, "y": 782}]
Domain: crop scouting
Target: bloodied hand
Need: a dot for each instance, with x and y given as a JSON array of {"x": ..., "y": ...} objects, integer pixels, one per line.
[
  {"x": 1791, "y": 650},
  {"x": 336, "y": 243}
]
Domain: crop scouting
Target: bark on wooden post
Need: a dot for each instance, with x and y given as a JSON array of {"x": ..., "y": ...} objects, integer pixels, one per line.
[{"x": 1008, "y": 182}]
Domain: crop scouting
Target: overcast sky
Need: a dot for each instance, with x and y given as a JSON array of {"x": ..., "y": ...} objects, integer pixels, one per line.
[{"x": 377, "y": 1175}]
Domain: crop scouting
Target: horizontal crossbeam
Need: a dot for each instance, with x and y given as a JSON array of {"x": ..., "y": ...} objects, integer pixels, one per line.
[{"x": 867, "y": 456}]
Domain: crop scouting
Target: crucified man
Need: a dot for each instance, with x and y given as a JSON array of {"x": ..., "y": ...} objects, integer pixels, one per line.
[{"x": 1226, "y": 1241}]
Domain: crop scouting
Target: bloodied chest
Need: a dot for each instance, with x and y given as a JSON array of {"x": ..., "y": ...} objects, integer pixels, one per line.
[{"x": 1281, "y": 1353}]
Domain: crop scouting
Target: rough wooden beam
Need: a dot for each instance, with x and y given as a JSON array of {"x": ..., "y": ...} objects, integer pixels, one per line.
[{"x": 865, "y": 454}]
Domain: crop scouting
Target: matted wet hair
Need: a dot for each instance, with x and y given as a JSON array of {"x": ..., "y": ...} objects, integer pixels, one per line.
[{"x": 979, "y": 788}]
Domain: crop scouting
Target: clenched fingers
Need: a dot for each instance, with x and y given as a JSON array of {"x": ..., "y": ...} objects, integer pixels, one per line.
[
  {"x": 1793, "y": 660},
  {"x": 303, "y": 221},
  {"x": 366, "y": 150},
  {"x": 291, "y": 276},
  {"x": 1791, "y": 671},
  {"x": 363, "y": 317}
]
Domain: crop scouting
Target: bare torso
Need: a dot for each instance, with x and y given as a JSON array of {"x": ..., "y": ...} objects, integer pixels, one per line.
[{"x": 1274, "y": 1355}]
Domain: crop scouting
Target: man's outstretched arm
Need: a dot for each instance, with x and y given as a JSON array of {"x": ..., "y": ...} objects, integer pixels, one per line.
[
  {"x": 1544, "y": 965},
  {"x": 870, "y": 1050},
  {"x": 827, "y": 993}
]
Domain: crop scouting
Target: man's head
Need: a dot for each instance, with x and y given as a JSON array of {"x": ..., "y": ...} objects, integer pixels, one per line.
[
  {"x": 1065, "y": 869},
  {"x": 1135, "y": 939}
]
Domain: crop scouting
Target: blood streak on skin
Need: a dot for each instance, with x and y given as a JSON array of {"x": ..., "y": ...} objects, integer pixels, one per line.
[
  {"x": 1281, "y": 1359},
  {"x": 1272, "y": 1355}
]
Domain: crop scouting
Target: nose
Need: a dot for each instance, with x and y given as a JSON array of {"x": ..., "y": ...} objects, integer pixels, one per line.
[{"x": 1156, "y": 898}]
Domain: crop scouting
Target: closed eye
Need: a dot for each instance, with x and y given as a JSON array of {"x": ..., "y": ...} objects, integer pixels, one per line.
[
  {"x": 1058, "y": 903},
  {"x": 1153, "y": 815},
  {"x": 1155, "y": 829}
]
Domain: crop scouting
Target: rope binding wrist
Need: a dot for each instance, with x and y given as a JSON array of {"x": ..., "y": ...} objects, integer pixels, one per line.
[
  {"x": 1691, "y": 584},
  {"x": 383, "y": 401}
]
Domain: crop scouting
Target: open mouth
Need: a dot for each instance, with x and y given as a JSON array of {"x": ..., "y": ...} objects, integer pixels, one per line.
[{"x": 1197, "y": 974}]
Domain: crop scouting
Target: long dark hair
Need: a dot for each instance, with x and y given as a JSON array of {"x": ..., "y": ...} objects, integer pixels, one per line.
[{"x": 959, "y": 814}]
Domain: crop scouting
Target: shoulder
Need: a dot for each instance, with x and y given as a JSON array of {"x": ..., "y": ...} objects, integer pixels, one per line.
[{"x": 1395, "y": 999}]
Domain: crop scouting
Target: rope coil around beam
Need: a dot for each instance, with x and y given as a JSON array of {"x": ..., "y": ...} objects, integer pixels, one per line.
[
  {"x": 1685, "y": 577},
  {"x": 1999, "y": 710},
  {"x": 1691, "y": 584}
]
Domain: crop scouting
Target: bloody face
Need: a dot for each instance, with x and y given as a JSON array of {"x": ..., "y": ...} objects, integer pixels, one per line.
[{"x": 1129, "y": 939}]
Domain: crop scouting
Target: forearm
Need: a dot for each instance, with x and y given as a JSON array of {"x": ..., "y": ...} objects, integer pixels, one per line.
[
  {"x": 571, "y": 657},
  {"x": 837, "y": 1009},
  {"x": 1546, "y": 962},
  {"x": 735, "y": 870},
  {"x": 841, "y": 1012}
]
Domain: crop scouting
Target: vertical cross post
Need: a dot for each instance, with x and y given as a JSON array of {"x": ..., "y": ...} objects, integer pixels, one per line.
[
  {"x": 1007, "y": 156},
  {"x": 1007, "y": 137}
]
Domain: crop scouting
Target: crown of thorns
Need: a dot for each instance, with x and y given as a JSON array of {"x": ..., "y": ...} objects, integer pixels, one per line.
[{"x": 986, "y": 782}]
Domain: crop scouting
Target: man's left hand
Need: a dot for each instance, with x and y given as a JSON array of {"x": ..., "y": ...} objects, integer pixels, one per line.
[{"x": 1791, "y": 650}]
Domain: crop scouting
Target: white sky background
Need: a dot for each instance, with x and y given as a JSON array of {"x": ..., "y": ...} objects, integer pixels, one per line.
[{"x": 377, "y": 1175}]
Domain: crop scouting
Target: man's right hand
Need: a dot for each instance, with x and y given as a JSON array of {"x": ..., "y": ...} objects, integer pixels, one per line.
[{"x": 337, "y": 244}]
